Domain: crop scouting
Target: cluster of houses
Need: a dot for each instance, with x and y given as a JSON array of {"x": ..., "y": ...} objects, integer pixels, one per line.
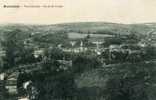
[
  {"x": 97, "y": 48},
  {"x": 78, "y": 45}
]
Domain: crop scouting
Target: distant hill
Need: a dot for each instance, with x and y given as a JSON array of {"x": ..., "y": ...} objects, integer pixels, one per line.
[{"x": 84, "y": 27}]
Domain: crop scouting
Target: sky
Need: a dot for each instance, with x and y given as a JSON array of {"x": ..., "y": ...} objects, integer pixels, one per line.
[{"x": 116, "y": 11}]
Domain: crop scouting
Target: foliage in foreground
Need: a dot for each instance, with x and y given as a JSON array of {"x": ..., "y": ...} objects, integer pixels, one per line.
[{"x": 131, "y": 81}]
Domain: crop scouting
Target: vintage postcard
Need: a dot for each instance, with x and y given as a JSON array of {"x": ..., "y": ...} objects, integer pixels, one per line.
[{"x": 77, "y": 50}]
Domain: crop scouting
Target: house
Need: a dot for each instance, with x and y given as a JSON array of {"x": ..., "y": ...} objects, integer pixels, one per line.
[
  {"x": 2, "y": 76},
  {"x": 114, "y": 48},
  {"x": 2, "y": 53},
  {"x": 11, "y": 83},
  {"x": 75, "y": 50},
  {"x": 142, "y": 44},
  {"x": 38, "y": 53},
  {"x": 96, "y": 40}
]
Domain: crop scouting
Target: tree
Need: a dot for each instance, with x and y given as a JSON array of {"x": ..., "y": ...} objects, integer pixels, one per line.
[
  {"x": 84, "y": 61},
  {"x": 150, "y": 52},
  {"x": 16, "y": 53},
  {"x": 131, "y": 81},
  {"x": 52, "y": 81}
]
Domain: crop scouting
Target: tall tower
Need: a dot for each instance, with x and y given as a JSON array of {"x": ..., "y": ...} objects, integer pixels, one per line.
[{"x": 81, "y": 45}]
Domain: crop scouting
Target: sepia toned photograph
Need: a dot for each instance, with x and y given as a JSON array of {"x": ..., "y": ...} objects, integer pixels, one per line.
[
  {"x": 78, "y": 61},
  {"x": 77, "y": 50}
]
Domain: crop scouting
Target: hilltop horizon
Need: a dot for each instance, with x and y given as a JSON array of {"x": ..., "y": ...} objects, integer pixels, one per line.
[{"x": 77, "y": 22}]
